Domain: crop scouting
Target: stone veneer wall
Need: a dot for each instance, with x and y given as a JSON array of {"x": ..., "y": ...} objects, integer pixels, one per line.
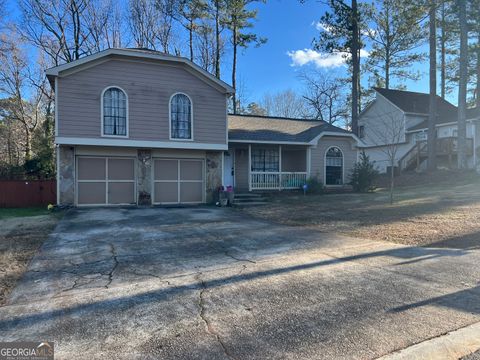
[
  {"x": 214, "y": 174},
  {"x": 66, "y": 175},
  {"x": 144, "y": 177}
]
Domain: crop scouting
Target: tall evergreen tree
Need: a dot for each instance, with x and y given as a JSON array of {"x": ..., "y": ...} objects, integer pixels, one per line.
[
  {"x": 238, "y": 19},
  {"x": 342, "y": 25},
  {"x": 431, "y": 141},
  {"x": 462, "y": 85},
  {"x": 395, "y": 34}
]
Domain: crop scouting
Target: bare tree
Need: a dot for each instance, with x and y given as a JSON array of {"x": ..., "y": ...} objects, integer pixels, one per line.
[
  {"x": 285, "y": 104},
  {"x": 143, "y": 21},
  {"x": 325, "y": 96},
  {"x": 15, "y": 84},
  {"x": 388, "y": 133},
  {"x": 56, "y": 27},
  {"x": 206, "y": 49},
  {"x": 168, "y": 13},
  {"x": 191, "y": 11},
  {"x": 103, "y": 21}
]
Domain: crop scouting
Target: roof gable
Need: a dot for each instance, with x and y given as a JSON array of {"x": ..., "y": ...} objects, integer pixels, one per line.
[{"x": 139, "y": 54}]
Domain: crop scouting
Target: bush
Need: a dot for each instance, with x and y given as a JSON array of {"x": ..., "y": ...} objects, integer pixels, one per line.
[
  {"x": 363, "y": 175},
  {"x": 314, "y": 186}
]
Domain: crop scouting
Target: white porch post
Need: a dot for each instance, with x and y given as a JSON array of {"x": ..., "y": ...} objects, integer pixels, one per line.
[
  {"x": 249, "y": 167},
  {"x": 280, "y": 167}
]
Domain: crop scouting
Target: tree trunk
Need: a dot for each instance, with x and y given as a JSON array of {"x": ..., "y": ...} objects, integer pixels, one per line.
[
  {"x": 234, "y": 67},
  {"x": 443, "y": 52},
  {"x": 190, "y": 39},
  {"x": 477, "y": 91},
  {"x": 392, "y": 180},
  {"x": 355, "y": 67},
  {"x": 462, "y": 86},
  {"x": 431, "y": 141},
  {"x": 217, "y": 39}
]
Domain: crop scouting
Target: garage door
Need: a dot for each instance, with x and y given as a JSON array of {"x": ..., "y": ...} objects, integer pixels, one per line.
[
  {"x": 105, "y": 181},
  {"x": 178, "y": 181}
]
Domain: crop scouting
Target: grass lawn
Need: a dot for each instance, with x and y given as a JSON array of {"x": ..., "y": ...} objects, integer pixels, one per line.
[
  {"x": 22, "y": 232},
  {"x": 444, "y": 213},
  {"x": 22, "y": 212}
]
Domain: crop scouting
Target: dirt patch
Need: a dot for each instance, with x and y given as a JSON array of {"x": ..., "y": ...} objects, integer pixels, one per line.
[
  {"x": 442, "y": 214},
  {"x": 20, "y": 238}
]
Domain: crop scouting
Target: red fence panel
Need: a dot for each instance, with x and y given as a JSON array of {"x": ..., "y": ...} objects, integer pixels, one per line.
[{"x": 27, "y": 193}]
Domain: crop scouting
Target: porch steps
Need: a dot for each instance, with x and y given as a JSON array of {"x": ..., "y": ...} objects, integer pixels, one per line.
[{"x": 249, "y": 199}]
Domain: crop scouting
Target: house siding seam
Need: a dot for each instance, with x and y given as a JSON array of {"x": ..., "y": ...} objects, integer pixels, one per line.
[{"x": 149, "y": 87}]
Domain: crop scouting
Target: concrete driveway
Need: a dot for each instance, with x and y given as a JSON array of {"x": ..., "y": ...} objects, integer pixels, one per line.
[{"x": 208, "y": 283}]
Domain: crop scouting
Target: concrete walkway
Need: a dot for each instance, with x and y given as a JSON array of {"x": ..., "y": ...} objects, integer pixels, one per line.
[{"x": 207, "y": 283}]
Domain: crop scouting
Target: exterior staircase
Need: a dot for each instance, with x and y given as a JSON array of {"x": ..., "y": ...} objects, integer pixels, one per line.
[{"x": 249, "y": 199}]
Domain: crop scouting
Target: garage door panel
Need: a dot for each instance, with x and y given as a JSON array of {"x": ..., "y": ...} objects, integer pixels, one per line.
[
  {"x": 90, "y": 193},
  {"x": 91, "y": 168},
  {"x": 166, "y": 192},
  {"x": 191, "y": 170},
  {"x": 121, "y": 169},
  {"x": 191, "y": 192},
  {"x": 121, "y": 193},
  {"x": 166, "y": 170}
]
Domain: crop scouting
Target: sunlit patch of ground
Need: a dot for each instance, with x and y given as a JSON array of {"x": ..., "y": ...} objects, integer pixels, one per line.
[{"x": 438, "y": 214}]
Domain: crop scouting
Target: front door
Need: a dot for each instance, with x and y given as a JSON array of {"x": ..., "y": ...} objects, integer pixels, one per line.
[{"x": 228, "y": 168}]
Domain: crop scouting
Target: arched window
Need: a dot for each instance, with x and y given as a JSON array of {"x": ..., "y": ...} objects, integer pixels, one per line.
[
  {"x": 114, "y": 112},
  {"x": 334, "y": 166},
  {"x": 180, "y": 117}
]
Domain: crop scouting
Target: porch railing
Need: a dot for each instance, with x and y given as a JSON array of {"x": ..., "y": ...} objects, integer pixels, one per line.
[{"x": 277, "y": 180}]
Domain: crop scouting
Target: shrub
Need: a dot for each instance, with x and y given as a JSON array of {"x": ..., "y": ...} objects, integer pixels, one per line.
[
  {"x": 363, "y": 174},
  {"x": 314, "y": 186}
]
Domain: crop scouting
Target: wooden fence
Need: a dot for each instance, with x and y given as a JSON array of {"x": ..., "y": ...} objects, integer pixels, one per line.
[{"x": 27, "y": 193}]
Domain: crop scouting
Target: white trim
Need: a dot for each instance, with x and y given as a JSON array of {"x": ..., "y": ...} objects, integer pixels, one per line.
[
  {"x": 268, "y": 142},
  {"x": 325, "y": 166},
  {"x": 170, "y": 117},
  {"x": 280, "y": 166},
  {"x": 102, "y": 134},
  {"x": 138, "y": 143},
  {"x": 55, "y": 71},
  {"x": 436, "y": 125},
  {"x": 56, "y": 106},
  {"x": 333, "y": 133}
]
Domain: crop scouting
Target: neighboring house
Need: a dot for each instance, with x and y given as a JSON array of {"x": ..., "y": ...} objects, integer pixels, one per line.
[
  {"x": 136, "y": 126},
  {"x": 396, "y": 123}
]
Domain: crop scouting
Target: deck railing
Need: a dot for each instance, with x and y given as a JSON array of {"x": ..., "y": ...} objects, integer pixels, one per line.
[{"x": 277, "y": 180}]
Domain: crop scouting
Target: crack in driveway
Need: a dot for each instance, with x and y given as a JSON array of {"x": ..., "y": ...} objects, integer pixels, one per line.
[
  {"x": 208, "y": 324},
  {"x": 115, "y": 264}
]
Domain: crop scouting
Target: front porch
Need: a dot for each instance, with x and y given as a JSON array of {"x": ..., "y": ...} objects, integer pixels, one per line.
[{"x": 267, "y": 167}]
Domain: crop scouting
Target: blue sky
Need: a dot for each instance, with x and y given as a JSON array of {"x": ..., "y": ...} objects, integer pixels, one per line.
[{"x": 289, "y": 26}]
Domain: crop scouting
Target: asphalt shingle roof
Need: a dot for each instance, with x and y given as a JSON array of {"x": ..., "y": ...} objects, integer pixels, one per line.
[
  {"x": 418, "y": 103},
  {"x": 263, "y": 128}
]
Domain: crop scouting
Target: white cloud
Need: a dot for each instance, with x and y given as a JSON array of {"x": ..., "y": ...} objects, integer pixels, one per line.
[
  {"x": 322, "y": 27},
  {"x": 320, "y": 60}
]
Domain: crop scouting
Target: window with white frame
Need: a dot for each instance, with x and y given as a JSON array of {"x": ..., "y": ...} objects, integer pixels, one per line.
[
  {"x": 265, "y": 160},
  {"x": 334, "y": 166},
  {"x": 114, "y": 112},
  {"x": 180, "y": 117}
]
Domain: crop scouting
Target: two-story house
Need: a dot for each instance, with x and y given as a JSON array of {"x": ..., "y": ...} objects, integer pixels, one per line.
[
  {"x": 135, "y": 126},
  {"x": 394, "y": 127}
]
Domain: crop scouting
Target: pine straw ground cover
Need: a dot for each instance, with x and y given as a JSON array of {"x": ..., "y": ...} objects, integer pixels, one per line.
[
  {"x": 21, "y": 234},
  {"x": 443, "y": 211}
]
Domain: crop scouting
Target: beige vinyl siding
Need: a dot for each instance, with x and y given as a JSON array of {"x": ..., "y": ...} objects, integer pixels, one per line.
[
  {"x": 149, "y": 87},
  {"x": 318, "y": 156},
  {"x": 241, "y": 168},
  {"x": 294, "y": 160}
]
